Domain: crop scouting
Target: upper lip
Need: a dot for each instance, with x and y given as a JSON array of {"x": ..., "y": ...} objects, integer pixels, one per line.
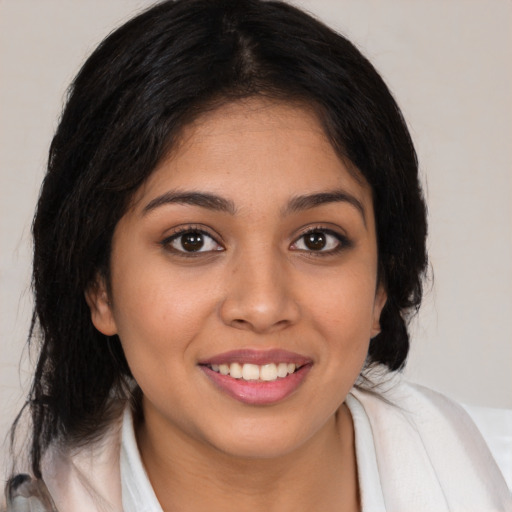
[{"x": 259, "y": 357}]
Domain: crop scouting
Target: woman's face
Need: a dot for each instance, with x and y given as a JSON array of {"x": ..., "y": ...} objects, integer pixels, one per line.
[{"x": 244, "y": 282}]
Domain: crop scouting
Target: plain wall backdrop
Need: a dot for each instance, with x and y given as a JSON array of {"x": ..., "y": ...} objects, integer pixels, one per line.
[{"x": 447, "y": 63}]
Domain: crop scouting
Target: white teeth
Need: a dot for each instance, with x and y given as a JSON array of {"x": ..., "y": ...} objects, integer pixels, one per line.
[
  {"x": 282, "y": 370},
  {"x": 235, "y": 370},
  {"x": 250, "y": 371},
  {"x": 267, "y": 372}
]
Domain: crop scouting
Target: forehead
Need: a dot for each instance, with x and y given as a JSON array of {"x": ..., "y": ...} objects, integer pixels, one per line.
[{"x": 254, "y": 148}]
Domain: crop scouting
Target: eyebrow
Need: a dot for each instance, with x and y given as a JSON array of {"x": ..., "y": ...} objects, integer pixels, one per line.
[
  {"x": 202, "y": 199},
  {"x": 220, "y": 204},
  {"x": 305, "y": 202}
]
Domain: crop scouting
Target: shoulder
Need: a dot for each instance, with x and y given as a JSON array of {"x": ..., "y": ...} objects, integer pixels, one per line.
[
  {"x": 428, "y": 413},
  {"x": 23, "y": 493},
  {"x": 418, "y": 406},
  {"x": 428, "y": 448},
  {"x": 86, "y": 479},
  {"x": 81, "y": 479}
]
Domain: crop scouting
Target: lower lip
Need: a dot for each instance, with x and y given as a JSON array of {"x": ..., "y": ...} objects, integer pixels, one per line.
[{"x": 256, "y": 392}]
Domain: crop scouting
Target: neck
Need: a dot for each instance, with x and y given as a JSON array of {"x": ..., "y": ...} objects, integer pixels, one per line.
[{"x": 320, "y": 475}]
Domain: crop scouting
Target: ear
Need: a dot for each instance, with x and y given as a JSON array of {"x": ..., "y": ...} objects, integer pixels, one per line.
[
  {"x": 380, "y": 301},
  {"x": 99, "y": 303}
]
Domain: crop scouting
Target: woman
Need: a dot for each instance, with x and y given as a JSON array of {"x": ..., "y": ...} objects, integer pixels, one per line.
[{"x": 228, "y": 244}]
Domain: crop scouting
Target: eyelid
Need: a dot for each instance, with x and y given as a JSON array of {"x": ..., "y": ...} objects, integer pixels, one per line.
[
  {"x": 176, "y": 232},
  {"x": 190, "y": 228},
  {"x": 344, "y": 241}
]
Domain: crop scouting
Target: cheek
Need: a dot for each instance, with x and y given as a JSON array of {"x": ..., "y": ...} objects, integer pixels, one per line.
[
  {"x": 157, "y": 310},
  {"x": 343, "y": 304}
]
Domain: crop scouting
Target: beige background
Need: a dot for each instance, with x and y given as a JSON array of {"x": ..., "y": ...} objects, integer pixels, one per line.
[{"x": 448, "y": 63}]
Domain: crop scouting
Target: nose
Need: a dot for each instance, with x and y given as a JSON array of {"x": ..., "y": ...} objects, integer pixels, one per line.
[{"x": 259, "y": 295}]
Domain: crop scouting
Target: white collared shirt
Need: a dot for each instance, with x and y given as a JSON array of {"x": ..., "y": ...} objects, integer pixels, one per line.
[
  {"x": 138, "y": 494},
  {"x": 416, "y": 450}
]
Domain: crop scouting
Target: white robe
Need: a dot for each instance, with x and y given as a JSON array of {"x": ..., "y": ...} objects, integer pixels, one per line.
[{"x": 416, "y": 451}]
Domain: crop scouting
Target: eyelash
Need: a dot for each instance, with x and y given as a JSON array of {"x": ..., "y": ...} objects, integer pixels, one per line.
[
  {"x": 179, "y": 232},
  {"x": 342, "y": 242}
]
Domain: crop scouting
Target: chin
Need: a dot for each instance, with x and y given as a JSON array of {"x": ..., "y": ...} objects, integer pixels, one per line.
[
  {"x": 272, "y": 440},
  {"x": 255, "y": 448}
]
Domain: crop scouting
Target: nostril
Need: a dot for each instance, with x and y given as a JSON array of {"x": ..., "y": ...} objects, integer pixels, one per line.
[{"x": 238, "y": 322}]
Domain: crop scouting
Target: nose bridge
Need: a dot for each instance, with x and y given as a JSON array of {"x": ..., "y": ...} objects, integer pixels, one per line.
[{"x": 259, "y": 293}]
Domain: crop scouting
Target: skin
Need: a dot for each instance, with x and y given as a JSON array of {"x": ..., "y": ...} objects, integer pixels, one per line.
[{"x": 256, "y": 285}]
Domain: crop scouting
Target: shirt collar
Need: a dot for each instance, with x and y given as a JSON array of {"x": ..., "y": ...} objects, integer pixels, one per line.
[{"x": 137, "y": 493}]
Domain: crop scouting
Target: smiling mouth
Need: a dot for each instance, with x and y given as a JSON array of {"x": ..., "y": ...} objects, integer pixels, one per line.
[
  {"x": 254, "y": 372},
  {"x": 257, "y": 377}
]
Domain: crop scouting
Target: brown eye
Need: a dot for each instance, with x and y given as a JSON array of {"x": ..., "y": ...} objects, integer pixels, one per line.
[
  {"x": 315, "y": 241},
  {"x": 192, "y": 242},
  {"x": 321, "y": 241}
]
